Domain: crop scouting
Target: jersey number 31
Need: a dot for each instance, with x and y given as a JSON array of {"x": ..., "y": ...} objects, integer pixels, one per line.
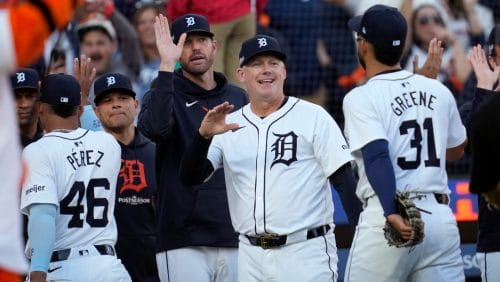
[
  {"x": 416, "y": 142},
  {"x": 78, "y": 190}
]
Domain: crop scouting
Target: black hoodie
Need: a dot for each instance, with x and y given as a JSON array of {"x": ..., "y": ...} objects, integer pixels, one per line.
[
  {"x": 170, "y": 116},
  {"x": 134, "y": 209}
]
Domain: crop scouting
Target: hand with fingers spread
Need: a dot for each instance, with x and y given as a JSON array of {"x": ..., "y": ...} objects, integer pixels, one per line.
[
  {"x": 432, "y": 64},
  {"x": 169, "y": 51},
  {"x": 214, "y": 121},
  {"x": 486, "y": 77},
  {"x": 85, "y": 74}
]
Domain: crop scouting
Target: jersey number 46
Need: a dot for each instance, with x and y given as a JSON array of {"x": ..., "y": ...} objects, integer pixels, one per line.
[{"x": 78, "y": 190}]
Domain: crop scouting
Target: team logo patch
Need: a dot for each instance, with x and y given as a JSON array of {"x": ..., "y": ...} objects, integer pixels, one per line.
[
  {"x": 110, "y": 80},
  {"x": 133, "y": 176},
  {"x": 190, "y": 21},
  {"x": 20, "y": 76},
  {"x": 262, "y": 42},
  {"x": 284, "y": 148}
]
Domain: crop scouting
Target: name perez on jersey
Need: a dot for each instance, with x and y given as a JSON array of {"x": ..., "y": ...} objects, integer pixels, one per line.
[
  {"x": 84, "y": 158},
  {"x": 413, "y": 98}
]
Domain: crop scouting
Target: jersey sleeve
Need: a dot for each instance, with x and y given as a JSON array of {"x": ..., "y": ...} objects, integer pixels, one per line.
[
  {"x": 329, "y": 138},
  {"x": 362, "y": 124},
  {"x": 214, "y": 154},
  {"x": 456, "y": 130},
  {"x": 40, "y": 186}
]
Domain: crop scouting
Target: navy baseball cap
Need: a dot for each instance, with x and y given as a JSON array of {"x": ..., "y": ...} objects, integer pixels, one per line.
[
  {"x": 493, "y": 39},
  {"x": 25, "y": 79},
  {"x": 260, "y": 44},
  {"x": 60, "y": 90},
  {"x": 112, "y": 82},
  {"x": 383, "y": 26},
  {"x": 190, "y": 23}
]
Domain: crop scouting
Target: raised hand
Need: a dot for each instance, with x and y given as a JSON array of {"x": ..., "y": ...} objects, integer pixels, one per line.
[
  {"x": 85, "y": 74},
  {"x": 432, "y": 64},
  {"x": 214, "y": 121},
  {"x": 486, "y": 78},
  {"x": 169, "y": 51}
]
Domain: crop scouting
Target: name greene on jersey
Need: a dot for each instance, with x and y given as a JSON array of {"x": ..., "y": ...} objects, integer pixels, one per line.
[
  {"x": 84, "y": 158},
  {"x": 410, "y": 99}
]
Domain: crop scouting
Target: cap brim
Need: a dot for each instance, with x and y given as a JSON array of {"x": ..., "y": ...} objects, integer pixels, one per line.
[
  {"x": 280, "y": 55},
  {"x": 198, "y": 31},
  {"x": 355, "y": 23},
  {"x": 99, "y": 97},
  {"x": 29, "y": 87}
]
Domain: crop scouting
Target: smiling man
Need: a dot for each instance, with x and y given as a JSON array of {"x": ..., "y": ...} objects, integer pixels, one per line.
[{"x": 279, "y": 154}]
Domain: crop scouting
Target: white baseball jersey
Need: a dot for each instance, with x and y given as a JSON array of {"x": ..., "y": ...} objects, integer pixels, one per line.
[
  {"x": 276, "y": 168},
  {"x": 417, "y": 116},
  {"x": 77, "y": 172}
]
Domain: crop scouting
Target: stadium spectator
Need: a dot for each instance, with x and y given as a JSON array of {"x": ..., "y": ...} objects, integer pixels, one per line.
[
  {"x": 143, "y": 21},
  {"x": 425, "y": 24}
]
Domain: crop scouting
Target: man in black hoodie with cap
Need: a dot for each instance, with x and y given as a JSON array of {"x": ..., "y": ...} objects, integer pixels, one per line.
[
  {"x": 116, "y": 108},
  {"x": 195, "y": 239}
]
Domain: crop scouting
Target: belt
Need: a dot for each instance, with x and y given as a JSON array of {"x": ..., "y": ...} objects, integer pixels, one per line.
[
  {"x": 273, "y": 240},
  {"x": 442, "y": 198},
  {"x": 64, "y": 254}
]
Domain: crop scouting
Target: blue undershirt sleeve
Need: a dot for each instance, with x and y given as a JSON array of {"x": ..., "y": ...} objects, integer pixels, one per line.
[
  {"x": 380, "y": 173},
  {"x": 42, "y": 235}
]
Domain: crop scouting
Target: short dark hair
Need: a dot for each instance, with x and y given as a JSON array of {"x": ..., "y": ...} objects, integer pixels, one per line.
[
  {"x": 63, "y": 110},
  {"x": 387, "y": 57}
]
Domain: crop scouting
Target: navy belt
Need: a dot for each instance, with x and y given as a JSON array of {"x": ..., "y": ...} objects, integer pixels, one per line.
[
  {"x": 273, "y": 240},
  {"x": 64, "y": 254}
]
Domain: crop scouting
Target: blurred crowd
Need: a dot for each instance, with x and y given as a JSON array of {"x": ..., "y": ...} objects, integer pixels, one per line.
[{"x": 118, "y": 36}]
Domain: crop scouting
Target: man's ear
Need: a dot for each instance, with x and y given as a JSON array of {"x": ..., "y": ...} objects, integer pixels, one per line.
[
  {"x": 80, "y": 111},
  {"x": 240, "y": 74}
]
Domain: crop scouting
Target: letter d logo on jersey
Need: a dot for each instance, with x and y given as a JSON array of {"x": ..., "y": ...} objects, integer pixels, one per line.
[{"x": 284, "y": 148}]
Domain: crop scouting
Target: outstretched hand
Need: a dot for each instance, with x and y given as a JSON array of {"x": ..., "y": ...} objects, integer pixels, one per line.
[
  {"x": 169, "y": 51},
  {"x": 214, "y": 121},
  {"x": 432, "y": 64},
  {"x": 85, "y": 74},
  {"x": 486, "y": 78}
]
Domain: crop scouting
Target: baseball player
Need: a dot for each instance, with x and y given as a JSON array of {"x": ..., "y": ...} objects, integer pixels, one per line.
[
  {"x": 25, "y": 83},
  {"x": 277, "y": 153},
  {"x": 24, "y": 27},
  {"x": 69, "y": 194},
  {"x": 401, "y": 127},
  {"x": 116, "y": 107},
  {"x": 195, "y": 239},
  {"x": 481, "y": 119}
]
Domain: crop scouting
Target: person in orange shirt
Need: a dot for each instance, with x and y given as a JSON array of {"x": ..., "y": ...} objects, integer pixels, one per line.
[{"x": 23, "y": 29}]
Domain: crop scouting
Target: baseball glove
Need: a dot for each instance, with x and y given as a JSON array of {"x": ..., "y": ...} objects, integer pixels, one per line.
[{"x": 407, "y": 210}]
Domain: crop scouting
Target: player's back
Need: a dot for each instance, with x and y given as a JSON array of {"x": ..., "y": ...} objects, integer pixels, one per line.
[
  {"x": 78, "y": 174},
  {"x": 418, "y": 116}
]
